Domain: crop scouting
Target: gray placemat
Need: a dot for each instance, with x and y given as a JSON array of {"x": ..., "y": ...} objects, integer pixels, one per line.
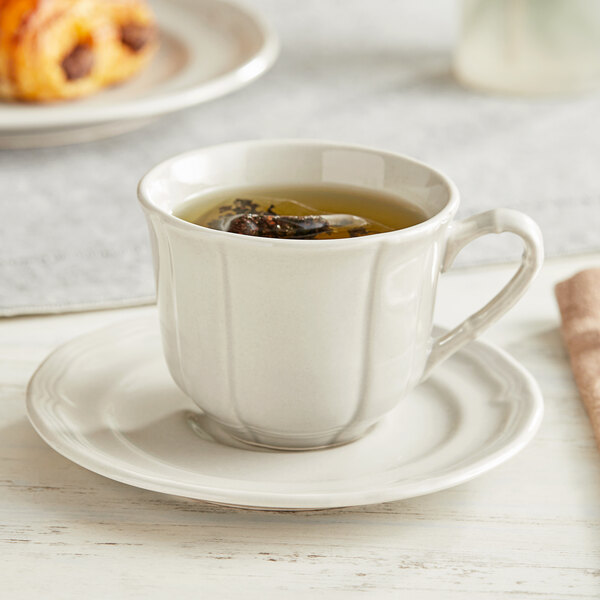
[{"x": 377, "y": 73}]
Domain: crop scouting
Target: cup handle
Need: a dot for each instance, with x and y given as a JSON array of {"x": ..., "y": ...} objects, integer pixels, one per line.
[{"x": 461, "y": 233}]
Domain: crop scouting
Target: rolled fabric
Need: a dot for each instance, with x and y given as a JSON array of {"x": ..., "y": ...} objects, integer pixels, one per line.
[
  {"x": 579, "y": 303},
  {"x": 60, "y": 49}
]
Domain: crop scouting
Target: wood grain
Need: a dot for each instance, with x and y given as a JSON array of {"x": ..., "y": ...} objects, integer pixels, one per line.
[{"x": 529, "y": 529}]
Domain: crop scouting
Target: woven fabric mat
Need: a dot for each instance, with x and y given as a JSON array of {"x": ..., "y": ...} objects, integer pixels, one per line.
[{"x": 377, "y": 73}]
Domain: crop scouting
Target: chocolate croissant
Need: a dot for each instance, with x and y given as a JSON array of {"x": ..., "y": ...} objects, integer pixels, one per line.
[{"x": 59, "y": 49}]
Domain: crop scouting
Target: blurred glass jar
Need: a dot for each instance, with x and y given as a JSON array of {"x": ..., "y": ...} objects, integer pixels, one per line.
[{"x": 529, "y": 46}]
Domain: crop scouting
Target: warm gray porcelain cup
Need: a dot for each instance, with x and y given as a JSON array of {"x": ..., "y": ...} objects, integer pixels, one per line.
[{"x": 301, "y": 344}]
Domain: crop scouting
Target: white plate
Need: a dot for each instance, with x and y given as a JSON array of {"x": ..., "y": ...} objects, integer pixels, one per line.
[
  {"x": 107, "y": 402},
  {"x": 208, "y": 48}
]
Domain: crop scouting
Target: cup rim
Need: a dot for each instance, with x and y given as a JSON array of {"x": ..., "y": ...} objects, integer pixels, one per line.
[{"x": 445, "y": 214}]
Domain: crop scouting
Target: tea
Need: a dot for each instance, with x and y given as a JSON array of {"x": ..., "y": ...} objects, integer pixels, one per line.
[{"x": 317, "y": 212}]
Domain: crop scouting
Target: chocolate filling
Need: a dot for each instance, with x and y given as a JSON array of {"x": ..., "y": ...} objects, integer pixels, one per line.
[
  {"x": 136, "y": 36},
  {"x": 79, "y": 62}
]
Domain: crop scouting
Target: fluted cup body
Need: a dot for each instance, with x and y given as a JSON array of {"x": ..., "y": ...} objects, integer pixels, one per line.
[{"x": 296, "y": 343}]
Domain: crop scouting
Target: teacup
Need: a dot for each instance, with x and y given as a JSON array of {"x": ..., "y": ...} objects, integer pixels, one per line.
[{"x": 298, "y": 344}]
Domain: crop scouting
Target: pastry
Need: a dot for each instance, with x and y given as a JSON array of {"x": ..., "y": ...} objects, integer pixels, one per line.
[{"x": 60, "y": 49}]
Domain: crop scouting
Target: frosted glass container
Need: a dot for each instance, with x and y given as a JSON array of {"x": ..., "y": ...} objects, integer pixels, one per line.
[{"x": 529, "y": 46}]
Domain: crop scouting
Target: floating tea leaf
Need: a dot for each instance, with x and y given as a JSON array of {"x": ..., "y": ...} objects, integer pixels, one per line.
[{"x": 289, "y": 226}]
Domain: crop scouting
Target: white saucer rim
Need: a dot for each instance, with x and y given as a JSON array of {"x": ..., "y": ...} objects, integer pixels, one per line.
[
  {"x": 292, "y": 501},
  {"x": 140, "y": 109}
]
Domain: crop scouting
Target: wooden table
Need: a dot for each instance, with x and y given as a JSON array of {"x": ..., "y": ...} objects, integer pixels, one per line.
[{"x": 528, "y": 529}]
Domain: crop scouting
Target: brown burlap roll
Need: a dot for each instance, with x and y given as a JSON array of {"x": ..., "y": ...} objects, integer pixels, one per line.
[{"x": 579, "y": 303}]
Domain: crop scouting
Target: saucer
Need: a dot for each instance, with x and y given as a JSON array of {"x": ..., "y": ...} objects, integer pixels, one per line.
[{"x": 107, "y": 402}]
